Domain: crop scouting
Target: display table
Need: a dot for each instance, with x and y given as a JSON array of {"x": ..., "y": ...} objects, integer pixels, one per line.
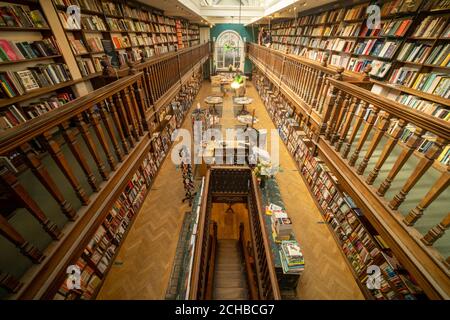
[
  {"x": 271, "y": 194},
  {"x": 243, "y": 101},
  {"x": 212, "y": 100}
]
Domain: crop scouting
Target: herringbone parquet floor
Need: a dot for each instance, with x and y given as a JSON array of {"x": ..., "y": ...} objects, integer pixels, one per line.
[{"x": 143, "y": 265}]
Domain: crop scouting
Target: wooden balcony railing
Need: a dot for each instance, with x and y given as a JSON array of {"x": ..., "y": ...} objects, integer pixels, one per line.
[
  {"x": 233, "y": 181},
  {"x": 63, "y": 167},
  {"x": 375, "y": 144}
]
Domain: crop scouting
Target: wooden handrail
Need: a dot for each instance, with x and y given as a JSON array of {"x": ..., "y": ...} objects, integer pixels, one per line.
[
  {"x": 248, "y": 266},
  {"x": 11, "y": 139},
  {"x": 434, "y": 125},
  {"x": 265, "y": 237},
  {"x": 195, "y": 275}
]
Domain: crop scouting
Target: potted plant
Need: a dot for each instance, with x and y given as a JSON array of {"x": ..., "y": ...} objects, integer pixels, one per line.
[{"x": 263, "y": 171}]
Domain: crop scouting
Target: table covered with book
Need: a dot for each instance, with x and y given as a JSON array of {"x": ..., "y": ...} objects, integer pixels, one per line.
[{"x": 286, "y": 251}]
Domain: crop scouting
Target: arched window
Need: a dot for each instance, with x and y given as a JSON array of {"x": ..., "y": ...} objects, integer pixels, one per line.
[{"x": 229, "y": 50}]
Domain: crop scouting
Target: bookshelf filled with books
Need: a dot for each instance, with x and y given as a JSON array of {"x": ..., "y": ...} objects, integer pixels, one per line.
[
  {"x": 360, "y": 244},
  {"x": 408, "y": 51},
  {"x": 34, "y": 77},
  {"x": 124, "y": 32}
]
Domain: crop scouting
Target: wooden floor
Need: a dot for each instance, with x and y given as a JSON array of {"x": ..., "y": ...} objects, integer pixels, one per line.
[{"x": 143, "y": 265}]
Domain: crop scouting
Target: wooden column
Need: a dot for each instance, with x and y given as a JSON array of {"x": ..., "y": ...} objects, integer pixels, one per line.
[
  {"x": 437, "y": 232},
  {"x": 36, "y": 166},
  {"x": 426, "y": 162},
  {"x": 365, "y": 133},
  {"x": 118, "y": 125},
  {"x": 22, "y": 196},
  {"x": 83, "y": 128},
  {"x": 411, "y": 145},
  {"x": 342, "y": 113},
  {"x": 72, "y": 142},
  {"x": 348, "y": 121},
  {"x": 359, "y": 120},
  {"x": 389, "y": 146},
  {"x": 441, "y": 184},
  {"x": 94, "y": 118},
  {"x": 106, "y": 118},
  {"x": 9, "y": 282},
  {"x": 27, "y": 249},
  {"x": 55, "y": 151}
]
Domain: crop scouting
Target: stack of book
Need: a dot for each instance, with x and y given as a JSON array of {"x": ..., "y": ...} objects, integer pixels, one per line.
[
  {"x": 21, "y": 17},
  {"x": 14, "y": 83},
  {"x": 16, "y": 51},
  {"x": 291, "y": 257}
]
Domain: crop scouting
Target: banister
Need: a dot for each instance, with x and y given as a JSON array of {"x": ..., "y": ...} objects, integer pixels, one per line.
[
  {"x": 434, "y": 125},
  {"x": 271, "y": 265},
  {"x": 195, "y": 275},
  {"x": 24, "y": 132}
]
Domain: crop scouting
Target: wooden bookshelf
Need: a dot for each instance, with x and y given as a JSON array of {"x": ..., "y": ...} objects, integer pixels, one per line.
[{"x": 415, "y": 38}]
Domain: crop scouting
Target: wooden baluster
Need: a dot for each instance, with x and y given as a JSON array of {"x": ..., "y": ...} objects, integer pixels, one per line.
[
  {"x": 334, "y": 107},
  {"x": 55, "y": 151},
  {"x": 26, "y": 248},
  {"x": 342, "y": 113},
  {"x": 36, "y": 166},
  {"x": 302, "y": 82},
  {"x": 9, "y": 282},
  {"x": 436, "y": 232},
  {"x": 94, "y": 117},
  {"x": 109, "y": 128},
  {"x": 130, "y": 112},
  {"x": 389, "y": 146},
  {"x": 441, "y": 184},
  {"x": 118, "y": 125},
  {"x": 359, "y": 119},
  {"x": 149, "y": 85},
  {"x": 381, "y": 128},
  {"x": 83, "y": 128},
  {"x": 411, "y": 145},
  {"x": 315, "y": 87},
  {"x": 323, "y": 94},
  {"x": 72, "y": 142},
  {"x": 22, "y": 196},
  {"x": 425, "y": 163},
  {"x": 123, "y": 117},
  {"x": 365, "y": 133},
  {"x": 310, "y": 86},
  {"x": 330, "y": 100},
  {"x": 135, "y": 103}
]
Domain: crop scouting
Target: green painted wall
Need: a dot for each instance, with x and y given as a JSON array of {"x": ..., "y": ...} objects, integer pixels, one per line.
[{"x": 245, "y": 32}]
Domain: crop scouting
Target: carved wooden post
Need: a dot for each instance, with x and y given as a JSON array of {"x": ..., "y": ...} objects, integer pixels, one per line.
[
  {"x": 359, "y": 119},
  {"x": 109, "y": 128},
  {"x": 365, "y": 133},
  {"x": 379, "y": 133},
  {"x": 118, "y": 125},
  {"x": 72, "y": 142},
  {"x": 59, "y": 158},
  {"x": 432, "y": 153},
  {"x": 22, "y": 196},
  {"x": 342, "y": 113},
  {"x": 9, "y": 282},
  {"x": 135, "y": 108},
  {"x": 329, "y": 103},
  {"x": 26, "y": 248},
  {"x": 348, "y": 120},
  {"x": 36, "y": 166},
  {"x": 129, "y": 109},
  {"x": 94, "y": 118},
  {"x": 123, "y": 117},
  {"x": 437, "y": 232},
  {"x": 331, "y": 124},
  {"x": 411, "y": 145},
  {"x": 441, "y": 184},
  {"x": 392, "y": 141},
  {"x": 83, "y": 128}
]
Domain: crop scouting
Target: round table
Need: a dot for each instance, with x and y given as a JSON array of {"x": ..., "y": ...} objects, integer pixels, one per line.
[
  {"x": 243, "y": 101},
  {"x": 247, "y": 119},
  {"x": 211, "y": 100}
]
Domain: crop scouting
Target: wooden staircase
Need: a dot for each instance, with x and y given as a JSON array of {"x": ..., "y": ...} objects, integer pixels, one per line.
[{"x": 229, "y": 279}]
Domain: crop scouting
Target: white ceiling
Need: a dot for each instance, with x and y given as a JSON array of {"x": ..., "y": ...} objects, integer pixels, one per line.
[{"x": 209, "y": 12}]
